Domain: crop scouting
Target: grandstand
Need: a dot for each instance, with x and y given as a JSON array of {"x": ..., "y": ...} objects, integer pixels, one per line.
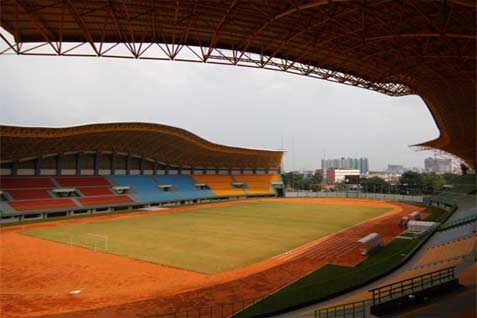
[
  {"x": 37, "y": 183},
  {"x": 453, "y": 246}
]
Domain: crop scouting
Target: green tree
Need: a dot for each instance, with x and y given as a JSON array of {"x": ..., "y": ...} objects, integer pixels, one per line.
[
  {"x": 340, "y": 187},
  {"x": 433, "y": 183},
  {"x": 411, "y": 178},
  {"x": 293, "y": 180},
  {"x": 374, "y": 184}
]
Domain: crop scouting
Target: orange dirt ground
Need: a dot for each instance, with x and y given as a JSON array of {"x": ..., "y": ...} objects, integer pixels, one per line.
[{"x": 36, "y": 276}]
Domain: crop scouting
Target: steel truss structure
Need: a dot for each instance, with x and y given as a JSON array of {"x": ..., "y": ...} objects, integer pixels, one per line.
[
  {"x": 396, "y": 47},
  {"x": 197, "y": 54}
]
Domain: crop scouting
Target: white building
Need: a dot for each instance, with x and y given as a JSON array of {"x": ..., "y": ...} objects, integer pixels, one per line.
[{"x": 338, "y": 175}]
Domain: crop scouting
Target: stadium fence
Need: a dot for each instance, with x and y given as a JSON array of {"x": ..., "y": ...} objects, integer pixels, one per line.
[{"x": 357, "y": 195}]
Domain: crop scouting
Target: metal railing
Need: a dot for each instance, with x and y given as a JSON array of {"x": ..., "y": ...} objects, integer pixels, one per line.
[
  {"x": 356, "y": 309},
  {"x": 409, "y": 286}
]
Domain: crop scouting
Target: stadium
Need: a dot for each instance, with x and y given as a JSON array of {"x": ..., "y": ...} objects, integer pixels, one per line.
[{"x": 147, "y": 220}]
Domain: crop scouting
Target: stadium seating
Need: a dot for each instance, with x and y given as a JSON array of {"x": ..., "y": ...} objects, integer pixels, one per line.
[
  {"x": 25, "y": 182},
  {"x": 447, "y": 251},
  {"x": 34, "y": 193},
  {"x": 454, "y": 233},
  {"x": 185, "y": 185},
  {"x": 258, "y": 184},
  {"x": 221, "y": 185},
  {"x": 104, "y": 200},
  {"x": 464, "y": 214},
  {"x": 37, "y": 205},
  {"x": 82, "y": 181},
  {"x": 145, "y": 188},
  {"x": 29, "y": 194},
  {"x": 95, "y": 191}
]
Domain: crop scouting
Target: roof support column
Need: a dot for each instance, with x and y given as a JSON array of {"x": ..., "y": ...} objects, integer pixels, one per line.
[
  {"x": 78, "y": 164},
  {"x": 96, "y": 163},
  {"x": 154, "y": 168},
  {"x": 37, "y": 166},
  {"x": 113, "y": 163},
  {"x": 128, "y": 161},
  {"x": 58, "y": 165},
  {"x": 141, "y": 165},
  {"x": 14, "y": 168}
]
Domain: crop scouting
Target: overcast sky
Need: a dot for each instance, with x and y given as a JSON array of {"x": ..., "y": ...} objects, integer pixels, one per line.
[{"x": 224, "y": 104}]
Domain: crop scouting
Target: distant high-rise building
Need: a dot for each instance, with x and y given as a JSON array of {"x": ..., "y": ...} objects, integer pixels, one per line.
[
  {"x": 438, "y": 165},
  {"x": 360, "y": 164}
]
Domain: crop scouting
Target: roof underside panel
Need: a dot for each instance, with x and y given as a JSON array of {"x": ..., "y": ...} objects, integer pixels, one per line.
[
  {"x": 394, "y": 47},
  {"x": 168, "y": 145}
]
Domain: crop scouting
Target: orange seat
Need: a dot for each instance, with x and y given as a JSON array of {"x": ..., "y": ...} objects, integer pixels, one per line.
[
  {"x": 258, "y": 184},
  {"x": 221, "y": 185}
]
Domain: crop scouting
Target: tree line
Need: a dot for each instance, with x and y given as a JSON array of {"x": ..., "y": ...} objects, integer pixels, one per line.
[{"x": 409, "y": 183}]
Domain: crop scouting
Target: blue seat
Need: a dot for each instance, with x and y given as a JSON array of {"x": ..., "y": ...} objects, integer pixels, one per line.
[
  {"x": 145, "y": 188},
  {"x": 185, "y": 186}
]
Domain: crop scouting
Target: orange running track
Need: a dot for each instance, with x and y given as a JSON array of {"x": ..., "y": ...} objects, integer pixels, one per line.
[{"x": 37, "y": 275}]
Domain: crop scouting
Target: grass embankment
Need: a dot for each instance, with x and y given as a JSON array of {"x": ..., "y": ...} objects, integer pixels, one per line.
[{"x": 331, "y": 280}]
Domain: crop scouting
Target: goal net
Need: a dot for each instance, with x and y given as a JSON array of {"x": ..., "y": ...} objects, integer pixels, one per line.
[{"x": 92, "y": 241}]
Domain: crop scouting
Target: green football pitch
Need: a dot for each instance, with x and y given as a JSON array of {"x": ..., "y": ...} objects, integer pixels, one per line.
[{"x": 214, "y": 239}]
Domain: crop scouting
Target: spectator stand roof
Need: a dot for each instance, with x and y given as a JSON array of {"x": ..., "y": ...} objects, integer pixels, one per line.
[{"x": 393, "y": 47}]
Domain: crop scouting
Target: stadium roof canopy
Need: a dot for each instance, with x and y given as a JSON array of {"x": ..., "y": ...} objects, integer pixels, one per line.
[
  {"x": 164, "y": 144},
  {"x": 393, "y": 47}
]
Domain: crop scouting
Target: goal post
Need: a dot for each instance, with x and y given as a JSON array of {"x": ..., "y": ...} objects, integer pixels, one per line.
[{"x": 91, "y": 241}]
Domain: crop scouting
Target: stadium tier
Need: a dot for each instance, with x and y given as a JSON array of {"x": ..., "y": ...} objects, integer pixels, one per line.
[
  {"x": 35, "y": 205},
  {"x": 83, "y": 181},
  {"x": 455, "y": 233},
  {"x": 39, "y": 194},
  {"x": 20, "y": 182},
  {"x": 94, "y": 191},
  {"x": 105, "y": 200},
  {"x": 221, "y": 185},
  {"x": 185, "y": 186},
  {"x": 29, "y": 194},
  {"x": 258, "y": 184},
  {"x": 145, "y": 188},
  {"x": 448, "y": 250}
]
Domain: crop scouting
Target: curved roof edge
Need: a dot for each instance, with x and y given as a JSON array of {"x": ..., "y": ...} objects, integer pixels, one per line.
[{"x": 161, "y": 142}]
